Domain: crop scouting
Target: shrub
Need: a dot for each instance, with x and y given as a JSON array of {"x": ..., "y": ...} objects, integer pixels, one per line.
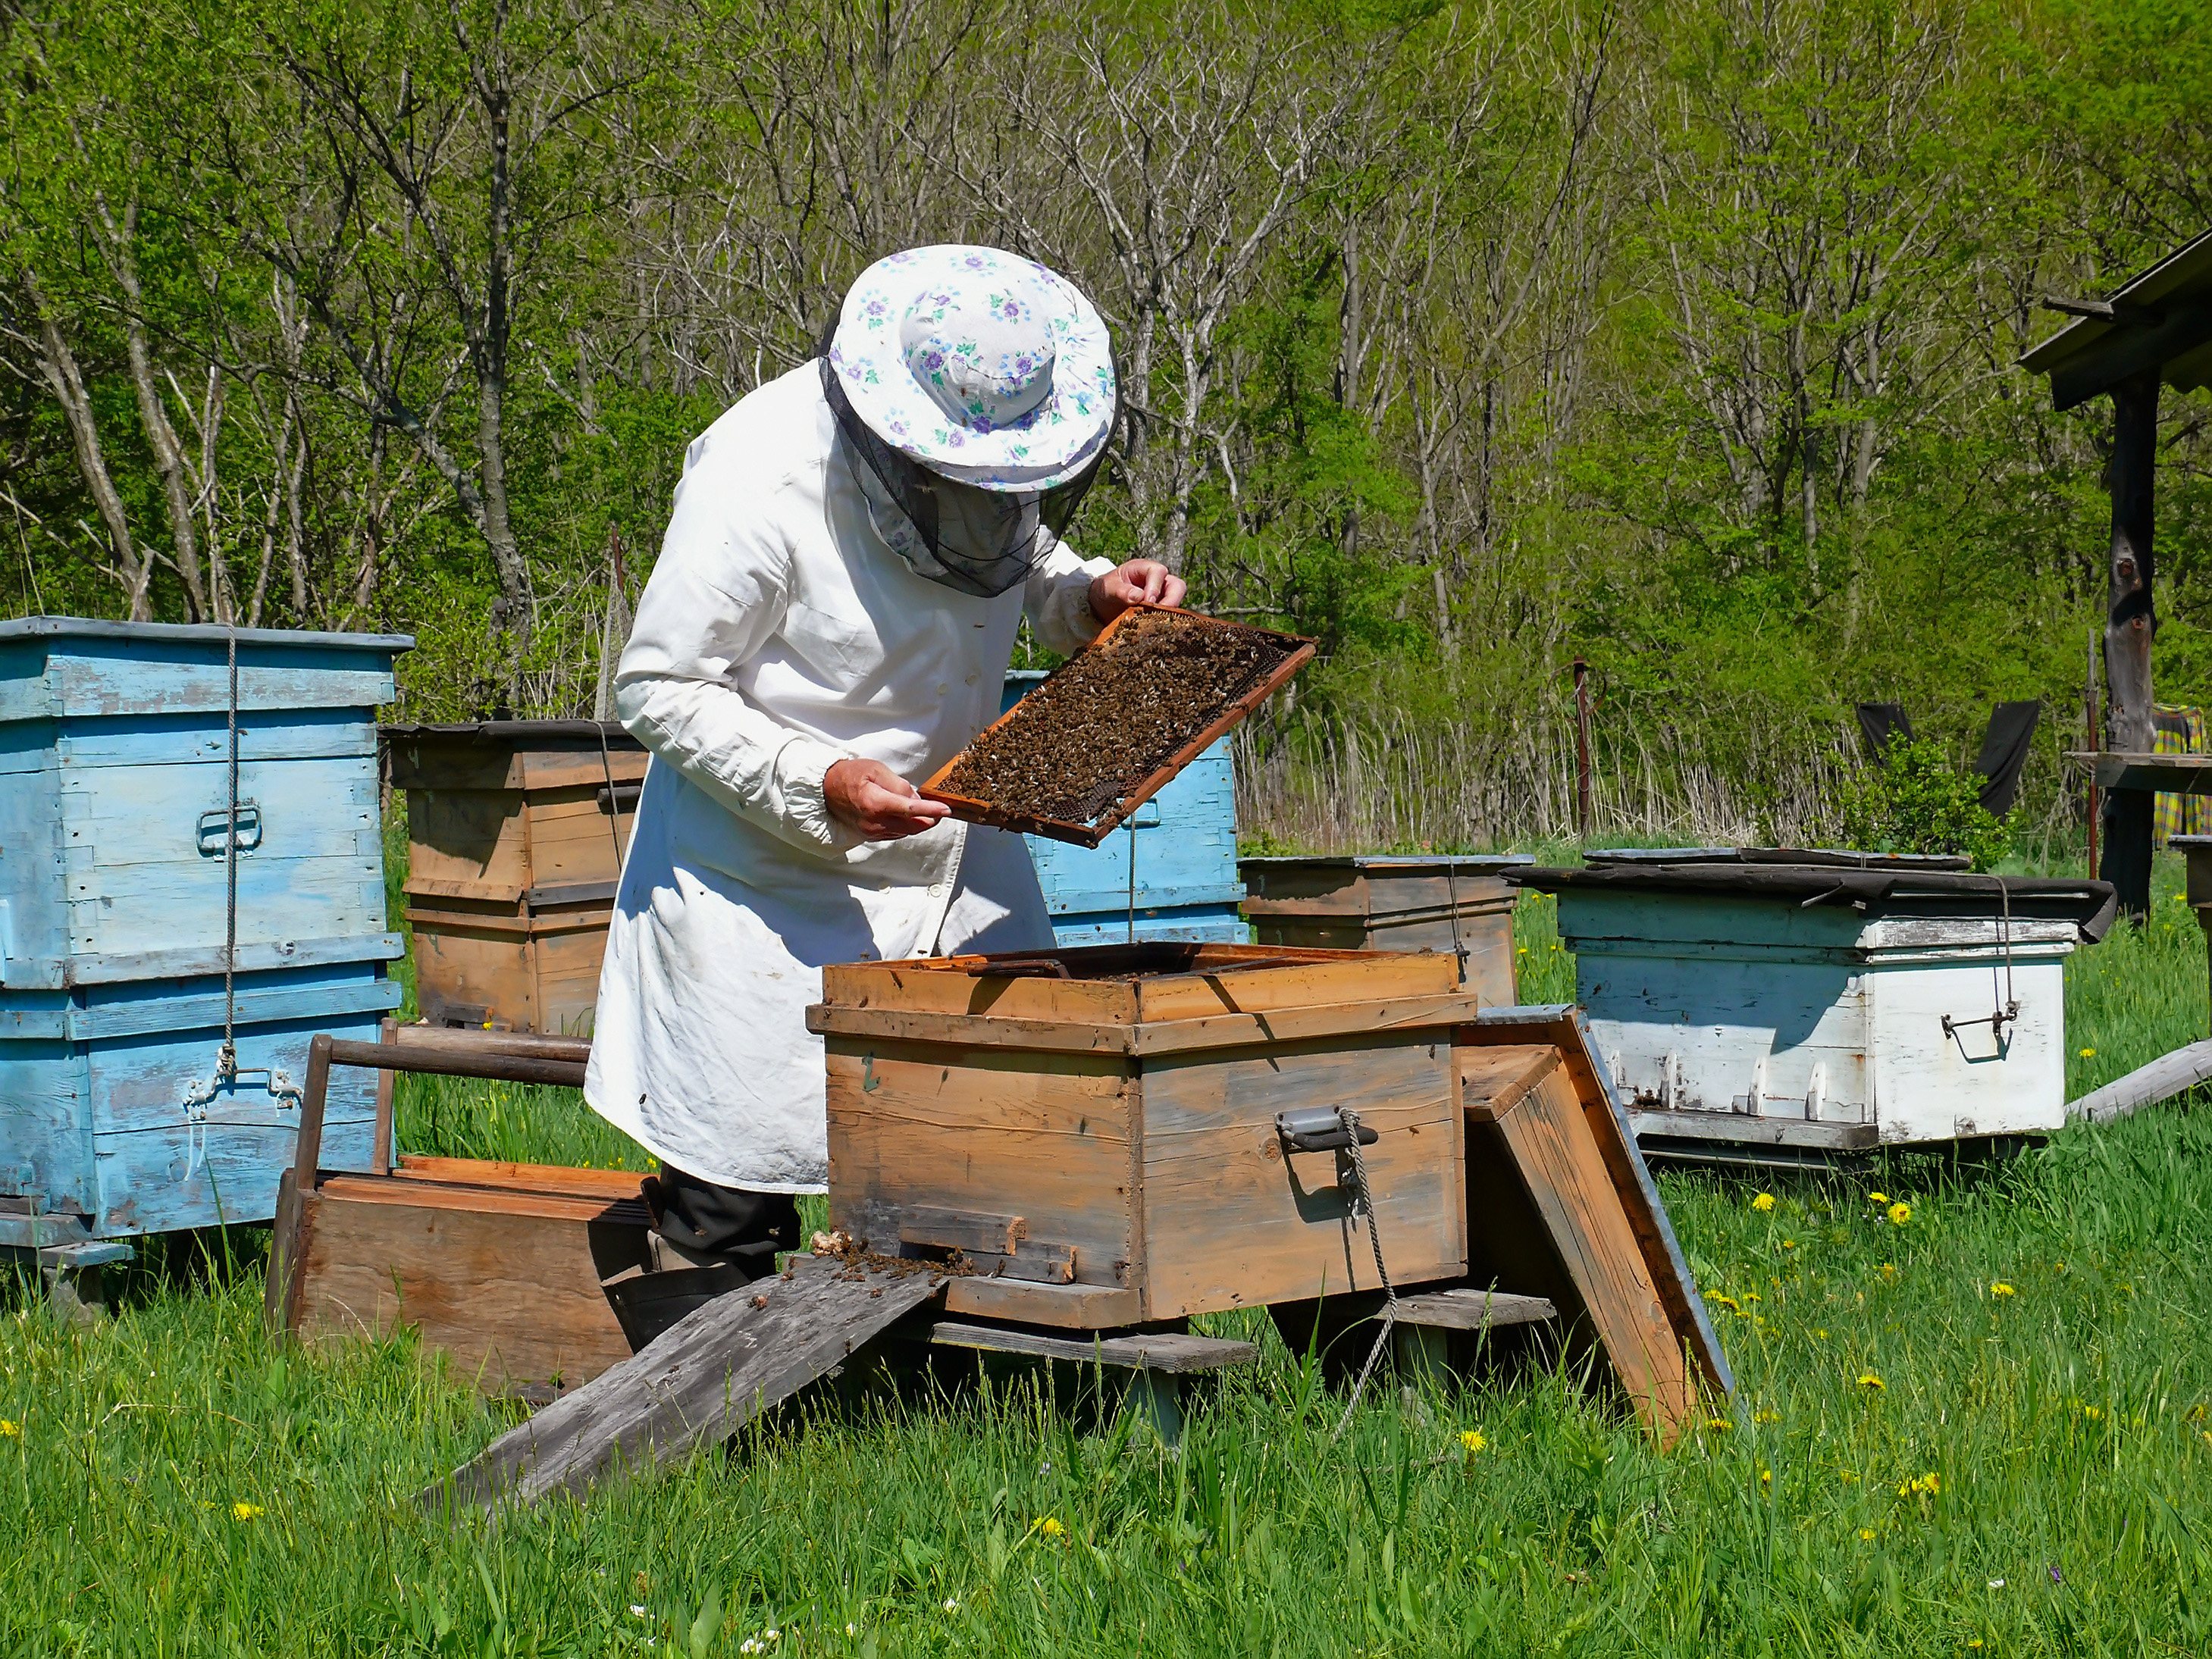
[{"x": 1918, "y": 802}]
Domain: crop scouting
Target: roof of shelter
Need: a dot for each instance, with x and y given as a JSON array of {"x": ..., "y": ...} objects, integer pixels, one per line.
[{"x": 2160, "y": 318}]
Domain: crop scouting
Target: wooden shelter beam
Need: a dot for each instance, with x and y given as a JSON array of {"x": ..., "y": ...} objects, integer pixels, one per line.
[{"x": 2130, "y": 355}]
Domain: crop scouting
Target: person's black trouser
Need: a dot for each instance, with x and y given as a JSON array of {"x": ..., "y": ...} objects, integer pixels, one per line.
[
  {"x": 730, "y": 1235},
  {"x": 746, "y": 1229}
]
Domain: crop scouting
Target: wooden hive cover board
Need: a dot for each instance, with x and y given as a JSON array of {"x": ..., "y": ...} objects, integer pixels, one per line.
[
  {"x": 1231, "y": 1220},
  {"x": 499, "y": 1275},
  {"x": 1561, "y": 1026},
  {"x": 1545, "y": 1218}
]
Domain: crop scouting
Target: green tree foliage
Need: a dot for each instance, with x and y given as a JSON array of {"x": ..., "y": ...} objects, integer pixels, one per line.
[
  {"x": 1917, "y": 801},
  {"x": 1682, "y": 340}
]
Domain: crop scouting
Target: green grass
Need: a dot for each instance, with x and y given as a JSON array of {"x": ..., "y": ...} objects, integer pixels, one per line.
[{"x": 2064, "y": 1427}]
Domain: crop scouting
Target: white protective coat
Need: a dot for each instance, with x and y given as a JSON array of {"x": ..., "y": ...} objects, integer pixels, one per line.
[{"x": 777, "y": 636}]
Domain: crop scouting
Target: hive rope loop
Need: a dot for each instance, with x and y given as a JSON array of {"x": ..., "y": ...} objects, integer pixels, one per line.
[{"x": 1366, "y": 1199}]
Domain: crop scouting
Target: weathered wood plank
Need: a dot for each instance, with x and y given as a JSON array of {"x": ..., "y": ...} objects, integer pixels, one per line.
[
  {"x": 1154, "y": 1351},
  {"x": 1563, "y": 1026},
  {"x": 1472, "y": 1309},
  {"x": 1070, "y": 1306},
  {"x": 1561, "y": 1166},
  {"x": 696, "y": 1385},
  {"x": 2169, "y": 1075}
]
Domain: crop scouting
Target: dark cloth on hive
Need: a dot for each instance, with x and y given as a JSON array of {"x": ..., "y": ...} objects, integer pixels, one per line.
[{"x": 2004, "y": 752}]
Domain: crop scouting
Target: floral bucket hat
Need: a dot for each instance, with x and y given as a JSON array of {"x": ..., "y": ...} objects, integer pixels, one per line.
[{"x": 987, "y": 368}]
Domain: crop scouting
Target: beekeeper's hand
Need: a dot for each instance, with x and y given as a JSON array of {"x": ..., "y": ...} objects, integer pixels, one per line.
[
  {"x": 868, "y": 796},
  {"x": 1140, "y": 582}
]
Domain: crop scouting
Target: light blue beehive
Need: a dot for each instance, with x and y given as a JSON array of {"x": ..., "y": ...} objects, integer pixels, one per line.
[
  {"x": 114, "y": 781},
  {"x": 1185, "y": 845}
]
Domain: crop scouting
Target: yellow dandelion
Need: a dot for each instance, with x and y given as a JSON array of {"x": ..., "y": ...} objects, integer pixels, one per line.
[
  {"x": 10, "y": 1430},
  {"x": 1868, "y": 1380},
  {"x": 1847, "y": 1476},
  {"x": 1728, "y": 1302},
  {"x": 1866, "y": 1534},
  {"x": 1471, "y": 1440},
  {"x": 1763, "y": 1203},
  {"x": 2089, "y": 1053},
  {"x": 2094, "y": 1413},
  {"x": 1766, "y": 1477},
  {"x": 1788, "y": 1243},
  {"x": 246, "y": 1511},
  {"x": 1523, "y": 950},
  {"x": 1051, "y": 1527},
  {"x": 1889, "y": 1271},
  {"x": 1899, "y": 1213},
  {"x": 1820, "y": 1331},
  {"x": 1718, "y": 1423},
  {"x": 1920, "y": 1486},
  {"x": 1769, "y": 1415},
  {"x": 1998, "y": 1287},
  {"x": 1877, "y": 1198}
]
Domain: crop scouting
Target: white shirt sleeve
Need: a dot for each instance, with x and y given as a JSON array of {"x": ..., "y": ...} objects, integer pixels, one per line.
[
  {"x": 719, "y": 593},
  {"x": 1057, "y": 599}
]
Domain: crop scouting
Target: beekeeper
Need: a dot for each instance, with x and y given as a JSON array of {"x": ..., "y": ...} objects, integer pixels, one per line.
[{"x": 853, "y": 548}]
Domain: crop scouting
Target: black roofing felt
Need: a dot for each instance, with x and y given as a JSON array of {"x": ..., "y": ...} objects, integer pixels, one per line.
[
  {"x": 2090, "y": 905},
  {"x": 2171, "y": 332}
]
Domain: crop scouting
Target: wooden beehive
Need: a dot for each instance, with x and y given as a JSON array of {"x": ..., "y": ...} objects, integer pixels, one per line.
[
  {"x": 1460, "y": 906},
  {"x": 1095, "y": 1127},
  {"x": 515, "y": 834},
  {"x": 114, "y": 813}
]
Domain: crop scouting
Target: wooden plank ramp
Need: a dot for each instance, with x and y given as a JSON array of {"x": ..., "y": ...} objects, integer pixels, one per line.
[
  {"x": 2169, "y": 1075},
  {"x": 703, "y": 1379}
]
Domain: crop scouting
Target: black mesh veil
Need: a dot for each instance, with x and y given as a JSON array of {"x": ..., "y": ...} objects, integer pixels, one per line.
[{"x": 976, "y": 541}]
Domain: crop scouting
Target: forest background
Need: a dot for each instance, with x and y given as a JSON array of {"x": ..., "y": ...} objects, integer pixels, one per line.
[{"x": 1469, "y": 339}]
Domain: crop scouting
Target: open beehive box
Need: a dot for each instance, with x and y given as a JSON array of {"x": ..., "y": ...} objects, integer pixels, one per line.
[
  {"x": 1095, "y": 1128},
  {"x": 1112, "y": 727},
  {"x": 1090, "y": 1138}
]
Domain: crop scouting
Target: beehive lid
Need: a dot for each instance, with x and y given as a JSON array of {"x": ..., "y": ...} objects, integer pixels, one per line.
[
  {"x": 1824, "y": 857},
  {"x": 88, "y": 628},
  {"x": 1390, "y": 864},
  {"x": 1875, "y": 892}
]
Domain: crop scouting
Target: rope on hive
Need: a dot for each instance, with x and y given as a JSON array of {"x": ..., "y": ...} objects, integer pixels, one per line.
[{"x": 1350, "y": 1119}]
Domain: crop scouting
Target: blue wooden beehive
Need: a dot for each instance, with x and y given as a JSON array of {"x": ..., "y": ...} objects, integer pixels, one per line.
[
  {"x": 114, "y": 800},
  {"x": 1185, "y": 845}
]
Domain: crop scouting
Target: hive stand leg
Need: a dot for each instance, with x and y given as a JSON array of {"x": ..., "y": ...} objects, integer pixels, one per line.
[
  {"x": 1421, "y": 1352},
  {"x": 1155, "y": 1398}
]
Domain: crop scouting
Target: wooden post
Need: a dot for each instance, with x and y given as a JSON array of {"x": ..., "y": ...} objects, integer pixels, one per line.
[
  {"x": 2130, "y": 624},
  {"x": 1581, "y": 750},
  {"x": 2092, "y": 742}
]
